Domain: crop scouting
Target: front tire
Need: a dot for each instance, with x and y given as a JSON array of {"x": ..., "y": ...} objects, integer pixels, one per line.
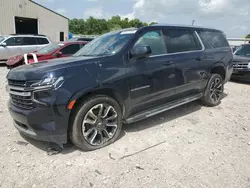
[
  {"x": 214, "y": 91},
  {"x": 96, "y": 123}
]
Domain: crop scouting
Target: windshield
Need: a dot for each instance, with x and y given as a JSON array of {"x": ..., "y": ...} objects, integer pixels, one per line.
[
  {"x": 243, "y": 50},
  {"x": 1, "y": 39},
  {"x": 107, "y": 44},
  {"x": 50, "y": 48}
]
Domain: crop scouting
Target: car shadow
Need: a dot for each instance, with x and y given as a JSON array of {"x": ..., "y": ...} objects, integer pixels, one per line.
[
  {"x": 153, "y": 121},
  {"x": 163, "y": 117},
  {"x": 237, "y": 81}
]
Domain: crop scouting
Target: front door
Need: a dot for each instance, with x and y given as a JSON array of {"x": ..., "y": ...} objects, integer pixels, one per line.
[
  {"x": 151, "y": 80},
  {"x": 12, "y": 48}
]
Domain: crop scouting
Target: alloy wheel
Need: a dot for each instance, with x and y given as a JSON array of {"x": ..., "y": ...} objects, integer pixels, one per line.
[
  {"x": 216, "y": 90},
  {"x": 100, "y": 124}
]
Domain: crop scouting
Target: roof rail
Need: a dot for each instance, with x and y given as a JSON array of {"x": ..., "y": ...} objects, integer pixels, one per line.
[{"x": 30, "y": 34}]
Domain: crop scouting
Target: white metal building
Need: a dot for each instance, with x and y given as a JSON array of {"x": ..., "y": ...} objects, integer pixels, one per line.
[
  {"x": 29, "y": 17},
  {"x": 238, "y": 41}
]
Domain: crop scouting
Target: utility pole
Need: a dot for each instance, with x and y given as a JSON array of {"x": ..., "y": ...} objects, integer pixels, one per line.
[{"x": 193, "y": 22}]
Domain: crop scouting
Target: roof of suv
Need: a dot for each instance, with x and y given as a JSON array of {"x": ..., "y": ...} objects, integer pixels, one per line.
[
  {"x": 167, "y": 25},
  {"x": 182, "y": 26},
  {"x": 25, "y": 35}
]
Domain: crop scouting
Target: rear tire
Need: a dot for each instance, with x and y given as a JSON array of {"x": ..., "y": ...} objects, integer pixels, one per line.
[
  {"x": 214, "y": 91},
  {"x": 96, "y": 123}
]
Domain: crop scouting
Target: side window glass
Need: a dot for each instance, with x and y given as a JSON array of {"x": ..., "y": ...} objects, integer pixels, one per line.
[
  {"x": 70, "y": 49},
  {"x": 42, "y": 41},
  {"x": 14, "y": 41},
  {"x": 213, "y": 39},
  {"x": 29, "y": 41},
  {"x": 181, "y": 40},
  {"x": 155, "y": 40}
]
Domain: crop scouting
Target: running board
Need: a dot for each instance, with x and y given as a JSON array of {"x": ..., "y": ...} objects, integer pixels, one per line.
[{"x": 162, "y": 108}]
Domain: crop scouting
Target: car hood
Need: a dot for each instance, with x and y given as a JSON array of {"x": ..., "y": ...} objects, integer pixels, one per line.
[
  {"x": 237, "y": 58},
  {"x": 38, "y": 71}
]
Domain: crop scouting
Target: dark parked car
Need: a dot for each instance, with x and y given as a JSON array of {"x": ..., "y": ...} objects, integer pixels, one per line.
[
  {"x": 241, "y": 63},
  {"x": 120, "y": 77},
  {"x": 51, "y": 51}
]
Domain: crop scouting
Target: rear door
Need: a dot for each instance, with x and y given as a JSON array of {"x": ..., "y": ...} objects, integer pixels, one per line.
[
  {"x": 186, "y": 53},
  {"x": 29, "y": 44},
  {"x": 70, "y": 50}
]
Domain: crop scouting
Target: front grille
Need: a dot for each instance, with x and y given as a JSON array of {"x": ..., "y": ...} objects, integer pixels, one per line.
[
  {"x": 20, "y": 95},
  {"x": 240, "y": 65},
  {"x": 24, "y": 102},
  {"x": 19, "y": 83}
]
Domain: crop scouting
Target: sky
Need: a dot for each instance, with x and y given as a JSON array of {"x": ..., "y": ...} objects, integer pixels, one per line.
[{"x": 231, "y": 16}]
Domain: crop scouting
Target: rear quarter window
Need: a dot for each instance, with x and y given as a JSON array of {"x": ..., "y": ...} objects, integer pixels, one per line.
[
  {"x": 213, "y": 39},
  {"x": 42, "y": 41}
]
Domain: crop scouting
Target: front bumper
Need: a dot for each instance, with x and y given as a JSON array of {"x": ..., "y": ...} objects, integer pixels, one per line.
[
  {"x": 243, "y": 75},
  {"x": 42, "y": 123}
]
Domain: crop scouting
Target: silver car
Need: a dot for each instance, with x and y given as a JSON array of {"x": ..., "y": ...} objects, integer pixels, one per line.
[{"x": 12, "y": 45}]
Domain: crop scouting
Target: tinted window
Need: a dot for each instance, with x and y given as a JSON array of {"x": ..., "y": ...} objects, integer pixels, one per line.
[
  {"x": 243, "y": 51},
  {"x": 29, "y": 41},
  {"x": 81, "y": 39},
  {"x": 85, "y": 39},
  {"x": 213, "y": 39},
  {"x": 178, "y": 40},
  {"x": 14, "y": 41},
  {"x": 42, "y": 41},
  {"x": 70, "y": 49},
  {"x": 155, "y": 40}
]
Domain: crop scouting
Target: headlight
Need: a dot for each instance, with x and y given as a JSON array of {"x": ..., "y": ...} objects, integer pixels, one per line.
[
  {"x": 48, "y": 83},
  {"x": 248, "y": 65}
]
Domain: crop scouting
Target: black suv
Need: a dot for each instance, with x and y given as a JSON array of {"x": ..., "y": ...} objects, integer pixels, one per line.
[
  {"x": 120, "y": 77},
  {"x": 241, "y": 63}
]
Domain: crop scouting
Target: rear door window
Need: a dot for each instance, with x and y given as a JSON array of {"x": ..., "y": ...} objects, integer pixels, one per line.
[
  {"x": 181, "y": 40},
  {"x": 70, "y": 49},
  {"x": 29, "y": 41},
  {"x": 213, "y": 39},
  {"x": 14, "y": 41},
  {"x": 42, "y": 41},
  {"x": 155, "y": 40}
]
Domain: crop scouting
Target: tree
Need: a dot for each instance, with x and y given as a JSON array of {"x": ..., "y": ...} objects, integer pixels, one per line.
[
  {"x": 248, "y": 36},
  {"x": 94, "y": 26}
]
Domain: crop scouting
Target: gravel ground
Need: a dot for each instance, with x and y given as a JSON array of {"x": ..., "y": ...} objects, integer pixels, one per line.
[{"x": 191, "y": 146}]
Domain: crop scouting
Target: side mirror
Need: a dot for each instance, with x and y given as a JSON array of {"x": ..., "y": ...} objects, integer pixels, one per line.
[
  {"x": 57, "y": 54},
  {"x": 141, "y": 52},
  {"x": 3, "y": 44}
]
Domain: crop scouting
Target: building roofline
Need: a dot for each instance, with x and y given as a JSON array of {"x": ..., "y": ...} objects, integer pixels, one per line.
[{"x": 48, "y": 9}]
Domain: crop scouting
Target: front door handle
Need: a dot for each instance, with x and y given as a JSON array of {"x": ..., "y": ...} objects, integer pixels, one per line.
[
  {"x": 168, "y": 63},
  {"x": 198, "y": 58}
]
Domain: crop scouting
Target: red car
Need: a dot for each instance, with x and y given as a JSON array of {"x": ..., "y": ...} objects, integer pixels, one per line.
[{"x": 52, "y": 51}]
